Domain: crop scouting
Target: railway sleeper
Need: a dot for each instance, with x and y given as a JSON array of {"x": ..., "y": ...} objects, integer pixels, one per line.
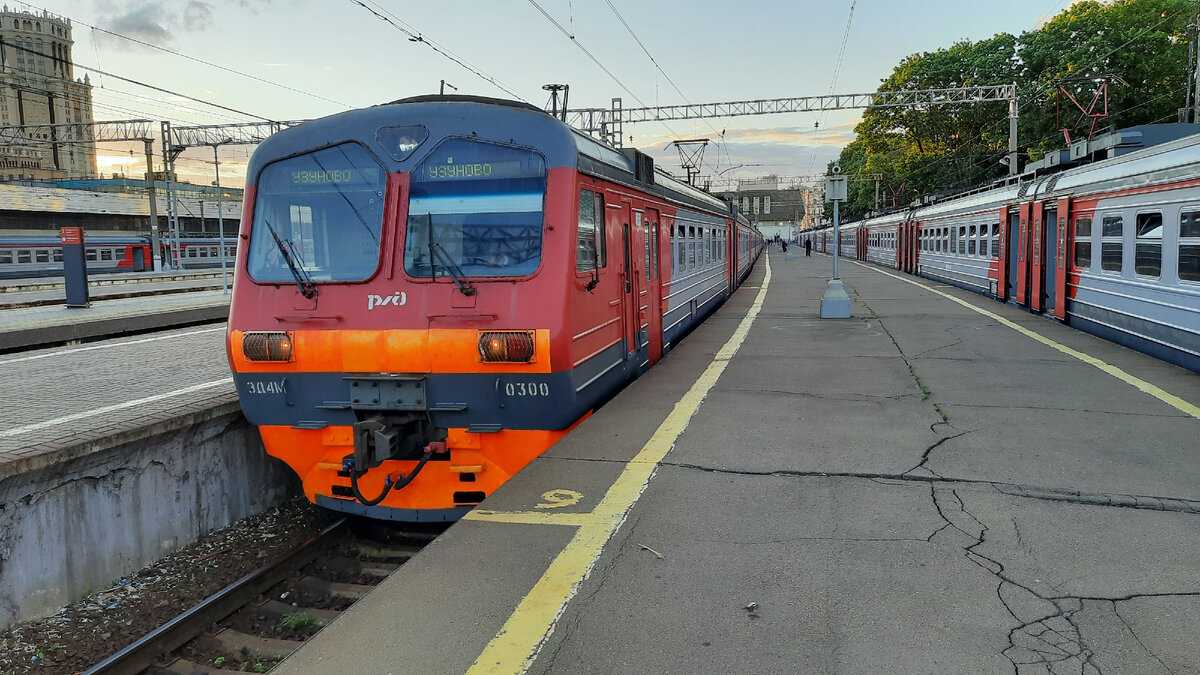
[
  {"x": 331, "y": 589},
  {"x": 355, "y": 568},
  {"x": 241, "y": 646}
]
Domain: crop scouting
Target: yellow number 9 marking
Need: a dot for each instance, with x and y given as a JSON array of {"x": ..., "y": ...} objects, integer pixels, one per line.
[{"x": 556, "y": 499}]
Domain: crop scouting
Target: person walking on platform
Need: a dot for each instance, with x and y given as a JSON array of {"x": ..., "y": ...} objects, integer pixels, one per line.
[
  {"x": 784, "y": 245},
  {"x": 808, "y": 246}
]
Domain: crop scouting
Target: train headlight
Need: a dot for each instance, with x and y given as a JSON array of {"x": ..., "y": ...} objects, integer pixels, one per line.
[
  {"x": 264, "y": 346},
  {"x": 506, "y": 346}
]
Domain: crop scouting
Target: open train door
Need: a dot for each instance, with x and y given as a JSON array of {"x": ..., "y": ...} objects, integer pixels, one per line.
[
  {"x": 1065, "y": 239},
  {"x": 652, "y": 231},
  {"x": 1024, "y": 213},
  {"x": 1003, "y": 275}
]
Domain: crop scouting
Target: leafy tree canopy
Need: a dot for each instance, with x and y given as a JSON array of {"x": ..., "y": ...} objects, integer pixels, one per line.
[{"x": 1139, "y": 48}]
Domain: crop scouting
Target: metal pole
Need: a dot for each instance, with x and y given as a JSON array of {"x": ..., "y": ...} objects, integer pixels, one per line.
[
  {"x": 156, "y": 248},
  {"x": 221, "y": 225},
  {"x": 837, "y": 238},
  {"x": 1012, "y": 136}
]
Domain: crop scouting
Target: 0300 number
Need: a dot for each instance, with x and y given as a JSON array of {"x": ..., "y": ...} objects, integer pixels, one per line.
[{"x": 527, "y": 389}]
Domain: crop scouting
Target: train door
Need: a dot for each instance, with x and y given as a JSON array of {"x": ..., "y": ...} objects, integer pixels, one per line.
[
  {"x": 634, "y": 298},
  {"x": 139, "y": 258},
  {"x": 619, "y": 221},
  {"x": 1049, "y": 253},
  {"x": 1062, "y": 248},
  {"x": 652, "y": 229},
  {"x": 1012, "y": 264},
  {"x": 1037, "y": 225},
  {"x": 1024, "y": 212}
]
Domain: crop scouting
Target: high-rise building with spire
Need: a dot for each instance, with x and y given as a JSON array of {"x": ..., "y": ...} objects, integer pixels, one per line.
[{"x": 37, "y": 87}]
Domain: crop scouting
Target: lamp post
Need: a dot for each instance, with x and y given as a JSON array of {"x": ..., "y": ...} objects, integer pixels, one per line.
[{"x": 835, "y": 304}]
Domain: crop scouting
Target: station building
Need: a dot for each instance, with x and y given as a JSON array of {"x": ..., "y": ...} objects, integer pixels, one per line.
[{"x": 775, "y": 204}]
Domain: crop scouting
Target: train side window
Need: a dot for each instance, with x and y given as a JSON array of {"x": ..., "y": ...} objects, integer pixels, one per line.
[
  {"x": 6, "y": 257},
  {"x": 57, "y": 255},
  {"x": 971, "y": 238},
  {"x": 995, "y": 240},
  {"x": 42, "y": 255},
  {"x": 1111, "y": 243},
  {"x": 590, "y": 237},
  {"x": 677, "y": 236},
  {"x": 1083, "y": 243},
  {"x": 106, "y": 254},
  {"x": 1189, "y": 246},
  {"x": 90, "y": 254},
  {"x": 1147, "y": 247},
  {"x": 654, "y": 249},
  {"x": 645, "y": 228},
  {"x": 691, "y": 247},
  {"x": 119, "y": 254}
]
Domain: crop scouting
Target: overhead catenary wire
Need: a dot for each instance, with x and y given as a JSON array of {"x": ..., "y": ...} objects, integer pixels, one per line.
[
  {"x": 416, "y": 36},
  {"x": 96, "y": 29}
]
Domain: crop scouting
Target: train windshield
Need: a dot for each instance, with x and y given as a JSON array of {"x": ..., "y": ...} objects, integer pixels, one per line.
[
  {"x": 475, "y": 210},
  {"x": 326, "y": 209}
]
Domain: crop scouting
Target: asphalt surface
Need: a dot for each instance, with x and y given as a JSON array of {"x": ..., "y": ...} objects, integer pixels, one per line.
[{"x": 920, "y": 488}]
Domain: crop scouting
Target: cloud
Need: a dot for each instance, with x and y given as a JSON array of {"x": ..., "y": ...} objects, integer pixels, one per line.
[{"x": 159, "y": 22}]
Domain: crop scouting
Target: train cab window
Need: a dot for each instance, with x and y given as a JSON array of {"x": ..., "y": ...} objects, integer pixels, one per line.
[
  {"x": 476, "y": 208},
  {"x": 1083, "y": 243},
  {"x": 326, "y": 209},
  {"x": 6, "y": 257},
  {"x": 1111, "y": 243},
  {"x": 1147, "y": 247},
  {"x": 106, "y": 254},
  {"x": 90, "y": 254},
  {"x": 1189, "y": 245},
  {"x": 589, "y": 247},
  {"x": 42, "y": 255}
]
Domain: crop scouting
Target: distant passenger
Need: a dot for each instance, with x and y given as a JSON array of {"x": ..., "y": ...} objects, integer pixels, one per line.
[
  {"x": 808, "y": 246},
  {"x": 784, "y": 245}
]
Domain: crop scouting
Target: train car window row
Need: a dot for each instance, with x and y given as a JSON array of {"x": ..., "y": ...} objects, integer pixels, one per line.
[{"x": 1147, "y": 236}]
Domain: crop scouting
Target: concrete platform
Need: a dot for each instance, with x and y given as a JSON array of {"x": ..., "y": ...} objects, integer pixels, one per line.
[
  {"x": 920, "y": 488},
  {"x": 114, "y": 454},
  {"x": 34, "y": 326}
]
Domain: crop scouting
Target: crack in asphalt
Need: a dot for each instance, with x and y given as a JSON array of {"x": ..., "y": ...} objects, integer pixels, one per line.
[
  {"x": 1117, "y": 612},
  {"x": 1142, "y": 502}
]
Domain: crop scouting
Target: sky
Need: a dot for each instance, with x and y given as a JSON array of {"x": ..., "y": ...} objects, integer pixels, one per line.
[{"x": 302, "y": 59}]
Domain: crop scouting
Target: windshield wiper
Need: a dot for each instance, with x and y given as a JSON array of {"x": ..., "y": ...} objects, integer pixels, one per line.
[
  {"x": 307, "y": 288},
  {"x": 456, "y": 273}
]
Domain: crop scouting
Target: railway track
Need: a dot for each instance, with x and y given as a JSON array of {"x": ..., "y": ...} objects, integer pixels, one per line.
[{"x": 256, "y": 621}]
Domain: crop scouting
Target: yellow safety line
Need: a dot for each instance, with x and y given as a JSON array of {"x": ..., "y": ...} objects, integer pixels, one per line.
[
  {"x": 515, "y": 647},
  {"x": 1162, "y": 395}
]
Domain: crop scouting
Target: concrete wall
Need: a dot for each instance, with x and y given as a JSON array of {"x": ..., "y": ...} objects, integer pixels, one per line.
[{"x": 80, "y": 524}]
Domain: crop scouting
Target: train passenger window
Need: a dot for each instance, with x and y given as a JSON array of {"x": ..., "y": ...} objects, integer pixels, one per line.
[
  {"x": 995, "y": 240},
  {"x": 57, "y": 255},
  {"x": 90, "y": 254},
  {"x": 971, "y": 240},
  {"x": 1189, "y": 245},
  {"x": 119, "y": 254},
  {"x": 1083, "y": 243},
  {"x": 326, "y": 209},
  {"x": 6, "y": 257},
  {"x": 645, "y": 229},
  {"x": 24, "y": 256},
  {"x": 106, "y": 254},
  {"x": 1147, "y": 248},
  {"x": 691, "y": 263},
  {"x": 201, "y": 251},
  {"x": 589, "y": 247},
  {"x": 42, "y": 255},
  {"x": 654, "y": 249},
  {"x": 214, "y": 252},
  {"x": 476, "y": 208},
  {"x": 1111, "y": 243}
]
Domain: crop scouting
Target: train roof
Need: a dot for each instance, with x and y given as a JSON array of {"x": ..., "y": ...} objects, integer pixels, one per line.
[
  {"x": 23, "y": 198},
  {"x": 495, "y": 120}
]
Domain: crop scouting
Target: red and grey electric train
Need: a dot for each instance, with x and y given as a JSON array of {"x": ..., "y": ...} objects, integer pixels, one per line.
[
  {"x": 430, "y": 293},
  {"x": 1111, "y": 247}
]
